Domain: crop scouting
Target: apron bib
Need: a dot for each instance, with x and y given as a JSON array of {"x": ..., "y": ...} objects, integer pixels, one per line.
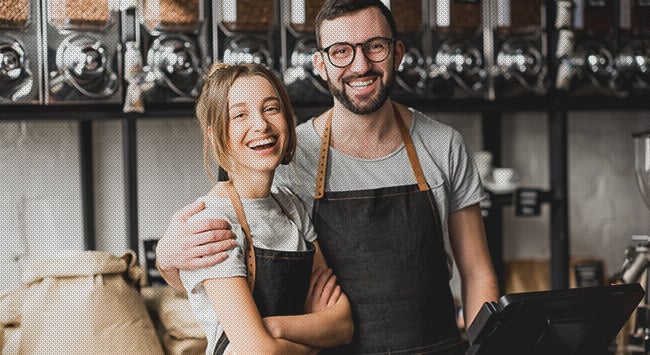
[
  {"x": 280, "y": 278},
  {"x": 386, "y": 248}
]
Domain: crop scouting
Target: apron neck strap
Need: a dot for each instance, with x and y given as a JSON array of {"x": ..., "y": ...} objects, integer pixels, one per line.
[
  {"x": 406, "y": 138},
  {"x": 410, "y": 151},
  {"x": 322, "y": 162},
  {"x": 235, "y": 200}
]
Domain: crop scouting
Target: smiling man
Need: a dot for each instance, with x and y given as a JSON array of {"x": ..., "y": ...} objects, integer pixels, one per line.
[
  {"x": 390, "y": 190},
  {"x": 393, "y": 187}
]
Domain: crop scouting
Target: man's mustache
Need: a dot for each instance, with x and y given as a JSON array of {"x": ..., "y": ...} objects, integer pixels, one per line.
[{"x": 366, "y": 74}]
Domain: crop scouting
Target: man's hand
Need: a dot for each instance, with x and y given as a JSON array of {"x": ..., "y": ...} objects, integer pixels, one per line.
[
  {"x": 323, "y": 291},
  {"x": 192, "y": 245}
]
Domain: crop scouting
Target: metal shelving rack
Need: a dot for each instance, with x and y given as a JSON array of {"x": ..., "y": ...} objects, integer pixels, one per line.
[{"x": 555, "y": 104}]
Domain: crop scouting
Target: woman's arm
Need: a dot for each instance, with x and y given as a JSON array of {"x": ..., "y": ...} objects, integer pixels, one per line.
[
  {"x": 240, "y": 319},
  {"x": 329, "y": 325}
]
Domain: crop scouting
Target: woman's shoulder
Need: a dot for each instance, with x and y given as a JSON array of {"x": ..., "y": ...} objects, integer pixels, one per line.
[{"x": 216, "y": 206}]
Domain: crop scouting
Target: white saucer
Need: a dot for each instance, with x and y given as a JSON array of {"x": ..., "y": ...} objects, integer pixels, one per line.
[{"x": 500, "y": 188}]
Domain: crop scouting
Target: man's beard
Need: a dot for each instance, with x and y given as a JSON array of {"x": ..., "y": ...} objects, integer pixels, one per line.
[{"x": 371, "y": 106}]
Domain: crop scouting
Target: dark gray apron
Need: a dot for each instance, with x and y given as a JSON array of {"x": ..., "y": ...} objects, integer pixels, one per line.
[
  {"x": 281, "y": 280},
  {"x": 386, "y": 248}
]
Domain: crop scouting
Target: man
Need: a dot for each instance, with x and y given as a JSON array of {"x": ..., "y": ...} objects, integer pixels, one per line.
[{"x": 386, "y": 185}]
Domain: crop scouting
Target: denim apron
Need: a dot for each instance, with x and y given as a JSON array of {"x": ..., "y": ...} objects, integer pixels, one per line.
[
  {"x": 279, "y": 279},
  {"x": 386, "y": 248}
]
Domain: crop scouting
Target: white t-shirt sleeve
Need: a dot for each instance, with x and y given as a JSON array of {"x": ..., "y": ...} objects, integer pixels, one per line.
[
  {"x": 234, "y": 265},
  {"x": 465, "y": 182}
]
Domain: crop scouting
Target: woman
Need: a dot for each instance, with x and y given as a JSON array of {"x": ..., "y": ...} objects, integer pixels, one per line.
[{"x": 248, "y": 125}]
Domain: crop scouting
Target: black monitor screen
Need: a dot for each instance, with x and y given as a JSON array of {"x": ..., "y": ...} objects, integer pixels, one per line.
[{"x": 579, "y": 321}]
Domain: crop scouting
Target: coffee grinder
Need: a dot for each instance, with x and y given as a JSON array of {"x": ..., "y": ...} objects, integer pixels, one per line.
[
  {"x": 642, "y": 163},
  {"x": 635, "y": 267}
]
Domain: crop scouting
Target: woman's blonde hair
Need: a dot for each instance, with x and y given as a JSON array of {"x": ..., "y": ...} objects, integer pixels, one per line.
[{"x": 212, "y": 111}]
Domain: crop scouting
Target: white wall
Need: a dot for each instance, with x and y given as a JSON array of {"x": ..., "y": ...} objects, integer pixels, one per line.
[
  {"x": 40, "y": 198},
  {"x": 606, "y": 207},
  {"x": 40, "y": 201},
  {"x": 170, "y": 171}
]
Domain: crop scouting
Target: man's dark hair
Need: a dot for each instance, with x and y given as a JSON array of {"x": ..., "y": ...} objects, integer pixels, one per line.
[{"x": 332, "y": 9}]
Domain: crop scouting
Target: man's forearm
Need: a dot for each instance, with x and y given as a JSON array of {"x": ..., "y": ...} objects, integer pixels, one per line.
[{"x": 475, "y": 296}]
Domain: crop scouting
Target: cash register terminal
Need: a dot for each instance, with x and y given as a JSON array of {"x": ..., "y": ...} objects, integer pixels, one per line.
[{"x": 578, "y": 321}]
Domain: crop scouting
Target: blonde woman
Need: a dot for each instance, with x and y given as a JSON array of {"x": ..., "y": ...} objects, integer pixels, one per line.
[{"x": 279, "y": 295}]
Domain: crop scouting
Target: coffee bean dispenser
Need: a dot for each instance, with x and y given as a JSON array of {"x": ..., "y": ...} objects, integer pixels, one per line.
[
  {"x": 585, "y": 47},
  {"x": 298, "y": 32},
  {"x": 632, "y": 60},
  {"x": 243, "y": 32},
  {"x": 82, "y": 48},
  {"x": 20, "y": 52},
  {"x": 411, "y": 76},
  {"x": 457, "y": 68},
  {"x": 519, "y": 60},
  {"x": 175, "y": 49}
]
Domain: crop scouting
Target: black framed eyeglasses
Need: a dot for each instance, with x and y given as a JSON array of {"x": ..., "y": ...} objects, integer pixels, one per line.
[{"x": 341, "y": 54}]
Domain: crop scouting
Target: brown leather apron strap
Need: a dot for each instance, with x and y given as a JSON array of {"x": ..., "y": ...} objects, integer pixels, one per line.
[
  {"x": 241, "y": 217},
  {"x": 408, "y": 144},
  {"x": 410, "y": 151},
  {"x": 322, "y": 162}
]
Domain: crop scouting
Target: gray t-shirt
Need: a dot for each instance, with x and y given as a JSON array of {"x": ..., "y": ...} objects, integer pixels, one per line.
[
  {"x": 445, "y": 162},
  {"x": 270, "y": 229}
]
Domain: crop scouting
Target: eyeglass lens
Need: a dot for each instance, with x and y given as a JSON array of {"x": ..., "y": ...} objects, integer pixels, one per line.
[{"x": 375, "y": 50}]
